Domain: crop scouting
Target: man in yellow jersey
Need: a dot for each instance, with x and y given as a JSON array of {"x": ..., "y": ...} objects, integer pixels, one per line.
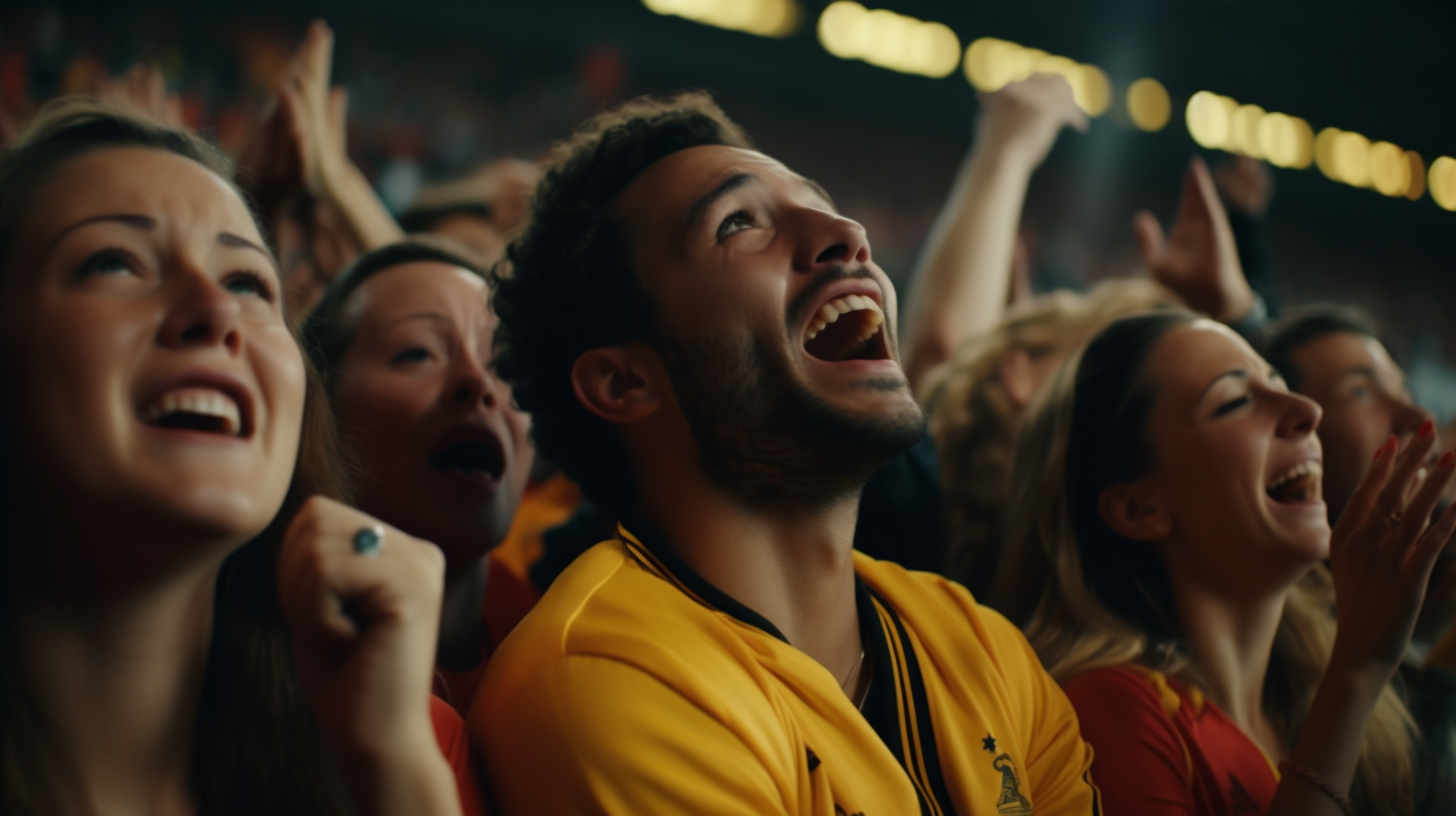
[{"x": 707, "y": 347}]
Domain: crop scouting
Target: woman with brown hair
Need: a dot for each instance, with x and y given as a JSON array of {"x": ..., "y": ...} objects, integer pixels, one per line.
[
  {"x": 1166, "y": 501},
  {"x": 189, "y": 621}
]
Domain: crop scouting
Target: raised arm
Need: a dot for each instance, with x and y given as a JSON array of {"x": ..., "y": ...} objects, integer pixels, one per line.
[
  {"x": 302, "y": 146},
  {"x": 1198, "y": 259},
  {"x": 961, "y": 283}
]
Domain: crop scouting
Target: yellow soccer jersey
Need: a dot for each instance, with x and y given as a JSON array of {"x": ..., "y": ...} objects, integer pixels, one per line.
[{"x": 636, "y": 687}]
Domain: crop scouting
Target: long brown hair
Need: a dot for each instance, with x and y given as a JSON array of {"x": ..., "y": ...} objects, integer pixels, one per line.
[
  {"x": 973, "y": 416},
  {"x": 256, "y": 748},
  {"x": 1089, "y": 598}
]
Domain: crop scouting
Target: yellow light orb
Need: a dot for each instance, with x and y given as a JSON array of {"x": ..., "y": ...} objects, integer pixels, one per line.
[
  {"x": 1352, "y": 159},
  {"x": 1208, "y": 116},
  {"x": 987, "y": 64},
  {"x": 1148, "y": 104},
  {"x": 1417, "y": 186},
  {"x": 844, "y": 29},
  {"x": 1324, "y": 152},
  {"x": 1389, "y": 169},
  {"x": 1442, "y": 177},
  {"x": 938, "y": 48},
  {"x": 1244, "y": 130},
  {"x": 1092, "y": 90}
]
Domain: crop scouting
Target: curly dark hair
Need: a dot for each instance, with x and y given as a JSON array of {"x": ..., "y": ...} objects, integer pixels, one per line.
[{"x": 568, "y": 284}]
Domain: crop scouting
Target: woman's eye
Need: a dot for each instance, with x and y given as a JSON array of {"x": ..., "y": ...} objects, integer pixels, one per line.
[
  {"x": 248, "y": 283},
  {"x": 733, "y": 223},
  {"x": 1231, "y": 406},
  {"x": 414, "y": 354},
  {"x": 106, "y": 262},
  {"x": 1360, "y": 393}
]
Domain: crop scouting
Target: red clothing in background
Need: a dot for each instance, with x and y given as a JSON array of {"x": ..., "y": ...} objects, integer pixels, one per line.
[
  {"x": 455, "y": 745},
  {"x": 1161, "y": 749},
  {"x": 509, "y": 593}
]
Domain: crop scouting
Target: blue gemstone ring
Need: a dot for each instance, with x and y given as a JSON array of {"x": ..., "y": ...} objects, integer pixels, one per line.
[{"x": 368, "y": 541}]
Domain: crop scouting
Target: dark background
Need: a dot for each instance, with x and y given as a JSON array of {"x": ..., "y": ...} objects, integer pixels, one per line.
[{"x": 437, "y": 86}]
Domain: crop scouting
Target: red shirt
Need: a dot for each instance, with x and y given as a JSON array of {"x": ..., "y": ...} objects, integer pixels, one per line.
[
  {"x": 1162, "y": 749},
  {"x": 455, "y": 745}
]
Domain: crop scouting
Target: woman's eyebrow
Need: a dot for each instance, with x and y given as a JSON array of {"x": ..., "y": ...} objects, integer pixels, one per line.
[
  {"x": 140, "y": 222},
  {"x": 1237, "y": 373}
]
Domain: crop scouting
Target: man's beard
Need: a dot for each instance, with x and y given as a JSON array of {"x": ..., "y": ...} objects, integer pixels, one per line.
[{"x": 771, "y": 442}]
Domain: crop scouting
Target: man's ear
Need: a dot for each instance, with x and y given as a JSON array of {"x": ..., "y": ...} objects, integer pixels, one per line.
[
  {"x": 1131, "y": 514},
  {"x": 619, "y": 383},
  {"x": 1017, "y": 376}
]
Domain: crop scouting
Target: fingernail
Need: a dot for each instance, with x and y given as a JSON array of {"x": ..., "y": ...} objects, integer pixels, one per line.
[
  {"x": 1383, "y": 449},
  {"x": 1427, "y": 428},
  {"x": 1447, "y": 459}
]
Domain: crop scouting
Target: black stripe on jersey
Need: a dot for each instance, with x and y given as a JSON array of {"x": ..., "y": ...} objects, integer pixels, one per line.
[
  {"x": 660, "y": 558},
  {"x": 898, "y": 709}
]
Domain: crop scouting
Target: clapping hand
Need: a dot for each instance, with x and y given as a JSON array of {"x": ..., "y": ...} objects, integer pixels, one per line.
[{"x": 1382, "y": 552}]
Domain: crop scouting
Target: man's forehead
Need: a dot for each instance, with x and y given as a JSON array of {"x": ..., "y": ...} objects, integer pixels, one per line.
[
  {"x": 678, "y": 179},
  {"x": 1340, "y": 353}
]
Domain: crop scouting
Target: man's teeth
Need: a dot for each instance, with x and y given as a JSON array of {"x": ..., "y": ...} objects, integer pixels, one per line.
[
  {"x": 1309, "y": 467},
  {"x": 200, "y": 401},
  {"x": 830, "y": 312}
]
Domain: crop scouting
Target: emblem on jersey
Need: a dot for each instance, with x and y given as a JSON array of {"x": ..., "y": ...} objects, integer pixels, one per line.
[{"x": 1010, "y": 802}]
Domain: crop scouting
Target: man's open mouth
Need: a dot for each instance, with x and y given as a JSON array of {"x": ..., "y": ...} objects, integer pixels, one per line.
[
  {"x": 851, "y": 327},
  {"x": 1298, "y": 484},
  {"x": 473, "y": 457}
]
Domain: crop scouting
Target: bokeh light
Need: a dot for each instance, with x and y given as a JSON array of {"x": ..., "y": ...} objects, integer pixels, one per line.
[
  {"x": 881, "y": 37},
  {"x": 991, "y": 64},
  {"x": 1417, "y": 186},
  {"x": 1286, "y": 141},
  {"x": 1210, "y": 119},
  {"x": 766, "y": 18},
  {"x": 1442, "y": 178},
  {"x": 1244, "y": 130},
  {"x": 1148, "y": 104},
  {"x": 1389, "y": 169}
]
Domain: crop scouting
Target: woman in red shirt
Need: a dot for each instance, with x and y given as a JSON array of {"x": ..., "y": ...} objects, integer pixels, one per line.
[
  {"x": 189, "y": 623},
  {"x": 1172, "y": 483}
]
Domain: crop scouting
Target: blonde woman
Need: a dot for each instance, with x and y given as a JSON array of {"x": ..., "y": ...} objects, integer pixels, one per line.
[{"x": 1171, "y": 484}]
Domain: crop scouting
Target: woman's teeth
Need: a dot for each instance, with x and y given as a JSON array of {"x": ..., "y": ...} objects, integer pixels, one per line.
[
  {"x": 830, "y": 312},
  {"x": 197, "y": 408},
  {"x": 1309, "y": 467}
]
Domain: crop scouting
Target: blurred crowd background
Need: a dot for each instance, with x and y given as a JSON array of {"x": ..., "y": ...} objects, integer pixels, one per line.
[{"x": 439, "y": 87}]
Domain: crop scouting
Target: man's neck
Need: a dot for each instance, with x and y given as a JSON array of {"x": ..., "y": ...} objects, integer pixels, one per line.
[
  {"x": 461, "y": 626},
  {"x": 121, "y": 681},
  {"x": 793, "y": 568}
]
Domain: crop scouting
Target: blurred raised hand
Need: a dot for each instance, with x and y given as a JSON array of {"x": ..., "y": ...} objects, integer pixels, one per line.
[
  {"x": 143, "y": 88},
  {"x": 963, "y": 280},
  {"x": 302, "y": 147},
  {"x": 1197, "y": 258},
  {"x": 1246, "y": 184}
]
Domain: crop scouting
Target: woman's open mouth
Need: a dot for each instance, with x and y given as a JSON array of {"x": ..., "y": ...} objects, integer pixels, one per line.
[
  {"x": 851, "y": 327},
  {"x": 200, "y": 409},
  {"x": 1298, "y": 484},
  {"x": 477, "y": 457}
]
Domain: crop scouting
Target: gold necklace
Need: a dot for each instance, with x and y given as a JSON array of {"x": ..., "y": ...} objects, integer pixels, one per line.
[{"x": 853, "y": 674}]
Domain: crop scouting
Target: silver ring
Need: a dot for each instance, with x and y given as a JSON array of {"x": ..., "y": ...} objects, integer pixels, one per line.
[{"x": 369, "y": 541}]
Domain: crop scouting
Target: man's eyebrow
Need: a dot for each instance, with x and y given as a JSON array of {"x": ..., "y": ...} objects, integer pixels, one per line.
[
  {"x": 701, "y": 206},
  {"x": 141, "y": 222},
  {"x": 1237, "y": 373},
  {"x": 1362, "y": 370},
  {"x": 820, "y": 191}
]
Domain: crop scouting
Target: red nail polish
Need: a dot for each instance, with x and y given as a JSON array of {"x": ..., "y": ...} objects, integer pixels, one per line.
[
  {"x": 1427, "y": 428},
  {"x": 1383, "y": 449},
  {"x": 1447, "y": 459}
]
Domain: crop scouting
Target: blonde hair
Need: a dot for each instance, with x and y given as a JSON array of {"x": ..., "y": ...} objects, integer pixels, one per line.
[
  {"x": 973, "y": 417},
  {"x": 1089, "y": 599}
]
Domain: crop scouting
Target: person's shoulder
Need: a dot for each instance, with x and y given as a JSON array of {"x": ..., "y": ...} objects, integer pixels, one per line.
[
  {"x": 1126, "y": 688},
  {"x": 604, "y": 606},
  {"x": 937, "y": 608}
]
